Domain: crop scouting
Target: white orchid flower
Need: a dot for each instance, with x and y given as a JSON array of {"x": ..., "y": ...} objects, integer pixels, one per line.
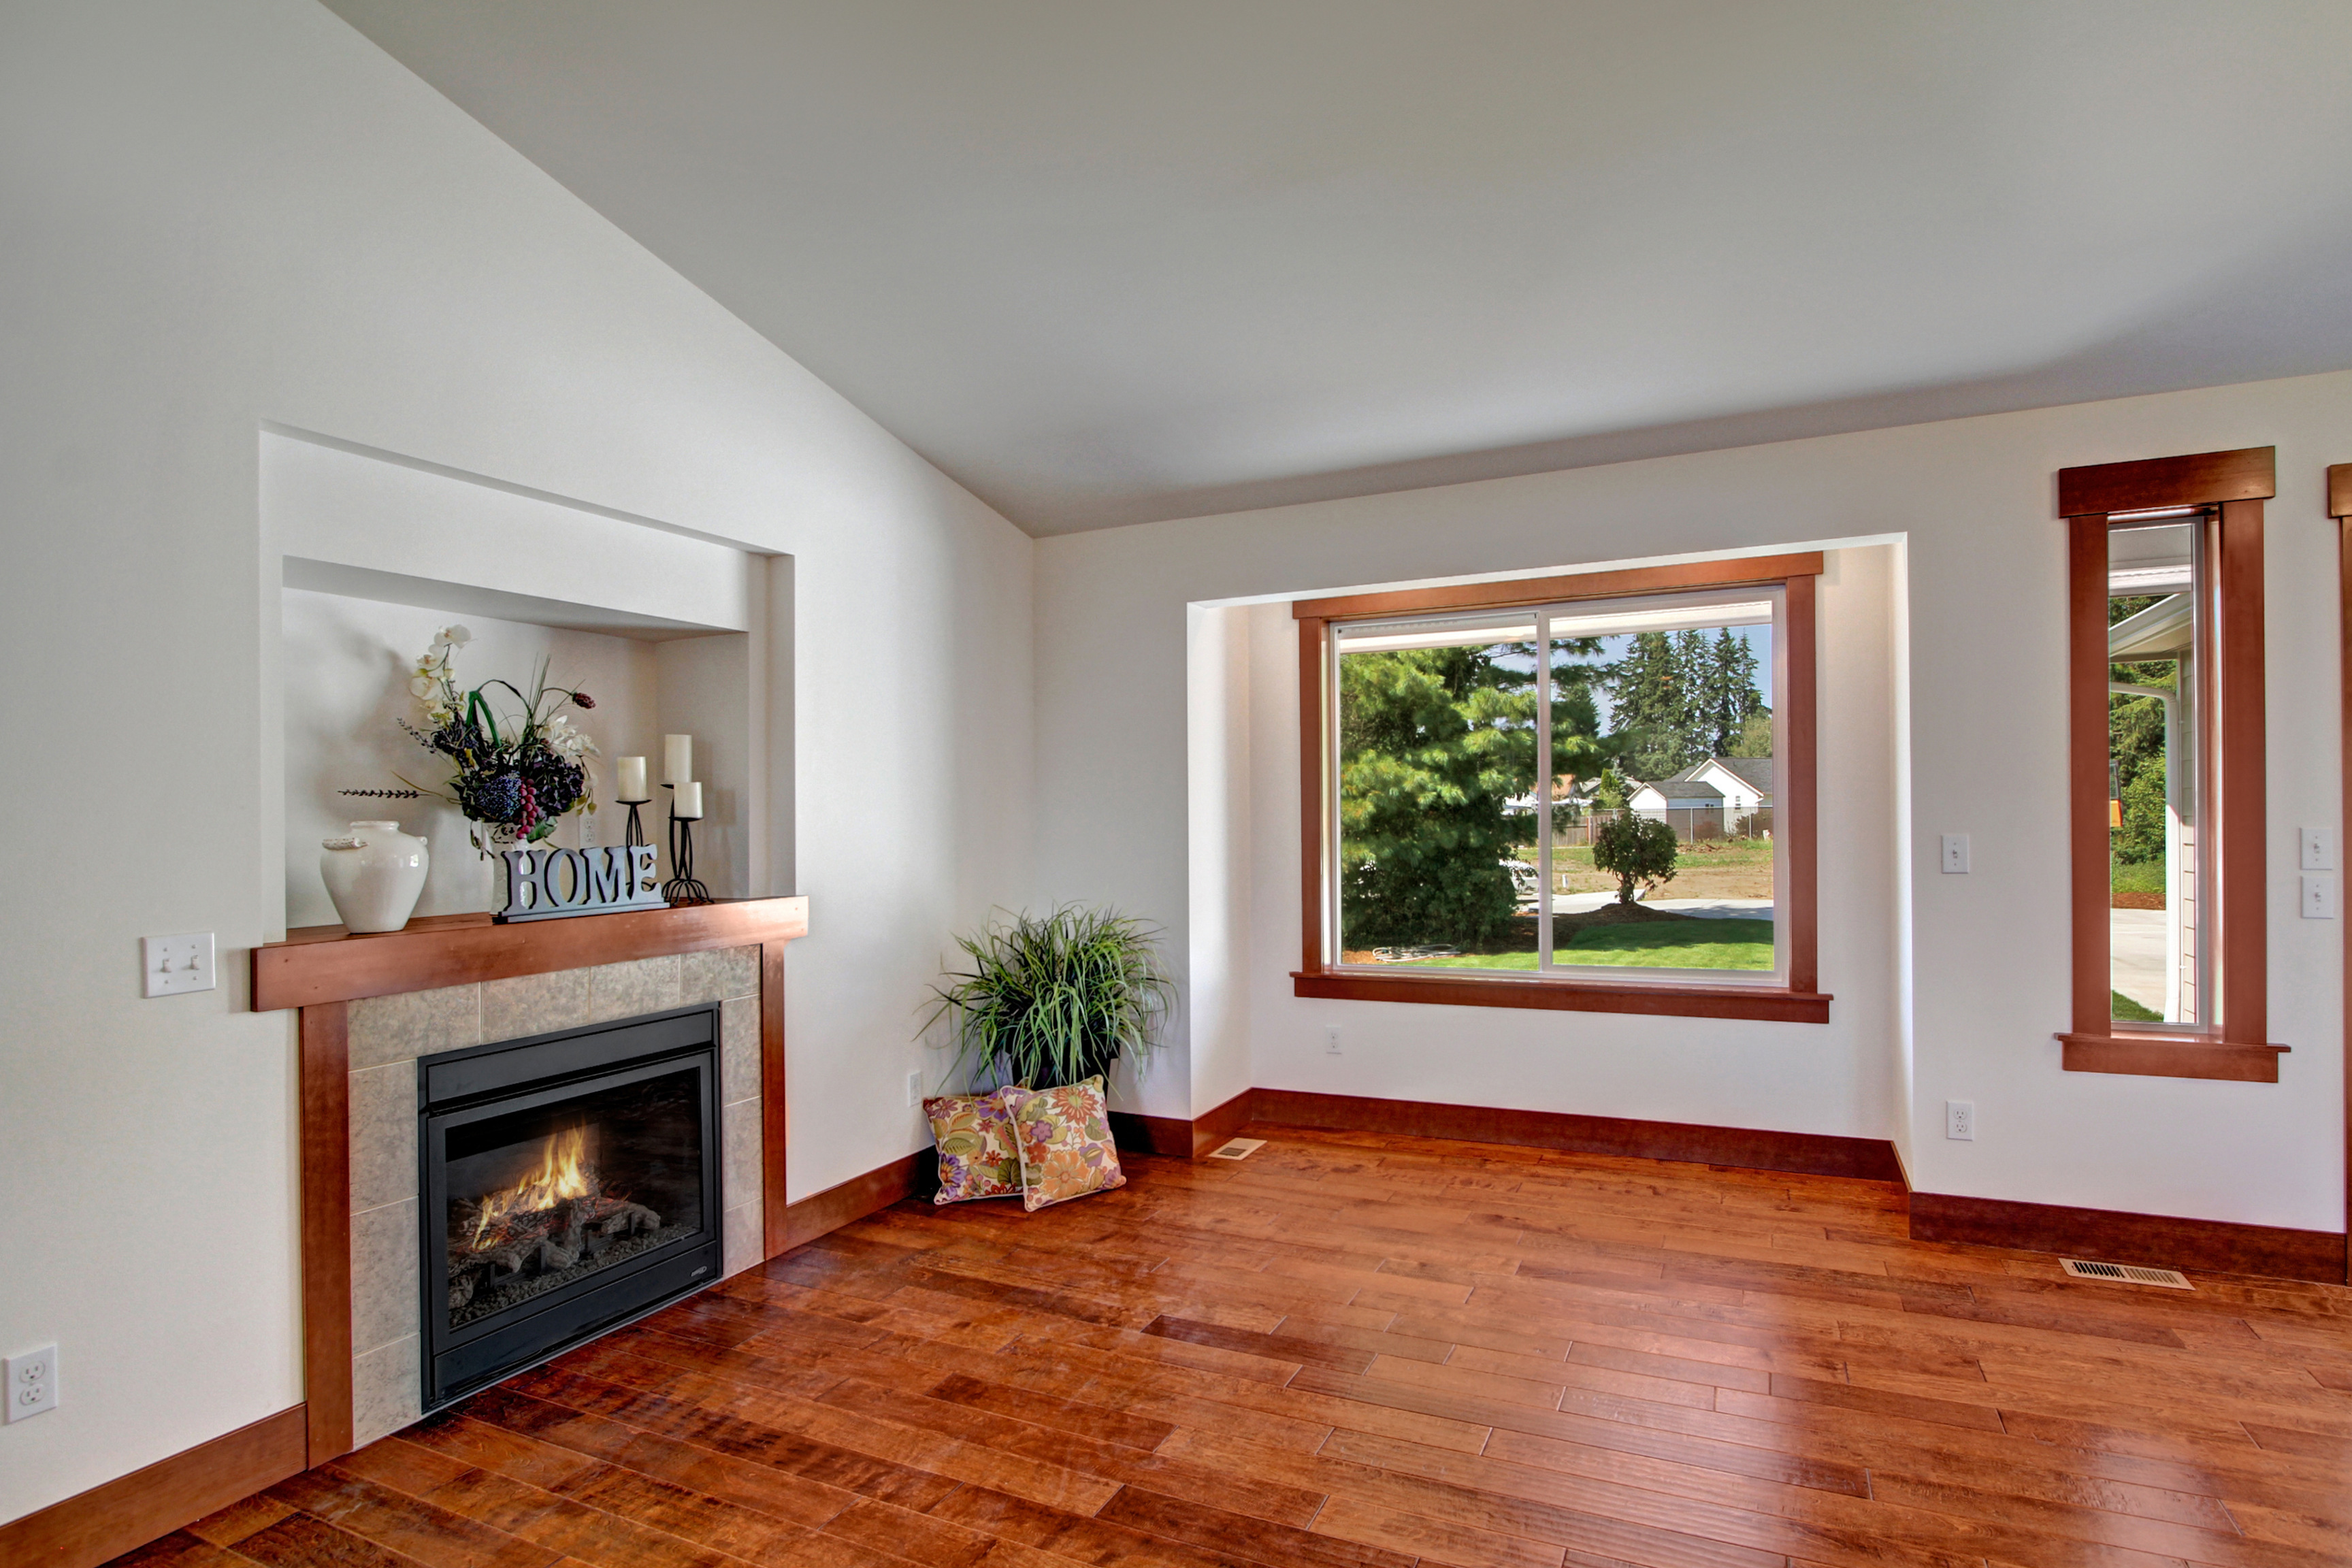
[
  {"x": 421, "y": 688},
  {"x": 453, "y": 636}
]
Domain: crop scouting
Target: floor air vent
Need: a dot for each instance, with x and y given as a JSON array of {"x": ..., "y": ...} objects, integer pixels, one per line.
[
  {"x": 1237, "y": 1149},
  {"x": 2129, "y": 1273}
]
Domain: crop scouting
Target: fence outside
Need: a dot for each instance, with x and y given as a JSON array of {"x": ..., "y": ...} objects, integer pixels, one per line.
[{"x": 1692, "y": 825}]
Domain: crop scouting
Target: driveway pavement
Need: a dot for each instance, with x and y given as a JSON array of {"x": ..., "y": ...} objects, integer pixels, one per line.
[{"x": 2136, "y": 945}]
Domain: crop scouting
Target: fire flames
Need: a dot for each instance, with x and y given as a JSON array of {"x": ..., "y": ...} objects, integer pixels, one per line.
[
  {"x": 562, "y": 1174},
  {"x": 556, "y": 1217}
]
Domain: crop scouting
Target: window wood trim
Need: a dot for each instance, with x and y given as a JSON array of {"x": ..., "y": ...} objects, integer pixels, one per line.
[
  {"x": 2235, "y": 484},
  {"x": 1799, "y": 1000},
  {"x": 2339, "y": 506},
  {"x": 1752, "y": 571}
]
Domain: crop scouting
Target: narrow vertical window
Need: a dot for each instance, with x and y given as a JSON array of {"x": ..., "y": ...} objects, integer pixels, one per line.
[
  {"x": 2166, "y": 797},
  {"x": 2159, "y": 622}
]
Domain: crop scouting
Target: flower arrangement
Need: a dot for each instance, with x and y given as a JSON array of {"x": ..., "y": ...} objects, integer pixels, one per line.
[{"x": 516, "y": 783}]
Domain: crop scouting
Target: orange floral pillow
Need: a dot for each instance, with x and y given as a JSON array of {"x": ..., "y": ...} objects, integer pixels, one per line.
[
  {"x": 978, "y": 1155},
  {"x": 1066, "y": 1146}
]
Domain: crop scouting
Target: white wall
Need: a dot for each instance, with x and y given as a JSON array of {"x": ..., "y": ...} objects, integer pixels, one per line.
[
  {"x": 703, "y": 690},
  {"x": 1965, "y": 649},
  {"x": 240, "y": 215}
]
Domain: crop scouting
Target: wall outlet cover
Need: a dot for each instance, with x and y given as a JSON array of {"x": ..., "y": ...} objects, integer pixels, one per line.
[
  {"x": 32, "y": 1383},
  {"x": 1961, "y": 1119},
  {"x": 1331, "y": 1038},
  {"x": 914, "y": 1086}
]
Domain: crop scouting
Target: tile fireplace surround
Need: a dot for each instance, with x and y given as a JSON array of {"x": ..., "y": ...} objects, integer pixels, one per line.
[{"x": 371, "y": 1005}]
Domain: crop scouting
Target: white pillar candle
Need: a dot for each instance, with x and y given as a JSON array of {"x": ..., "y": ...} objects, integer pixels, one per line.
[
  {"x": 632, "y": 778},
  {"x": 688, "y": 805},
  {"x": 677, "y": 759}
]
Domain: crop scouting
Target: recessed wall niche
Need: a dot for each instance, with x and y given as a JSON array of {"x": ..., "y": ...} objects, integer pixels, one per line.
[
  {"x": 347, "y": 666},
  {"x": 377, "y": 553}
]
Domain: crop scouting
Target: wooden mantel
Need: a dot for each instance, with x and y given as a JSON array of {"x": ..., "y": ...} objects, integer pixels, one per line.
[
  {"x": 322, "y": 970},
  {"x": 317, "y": 965}
]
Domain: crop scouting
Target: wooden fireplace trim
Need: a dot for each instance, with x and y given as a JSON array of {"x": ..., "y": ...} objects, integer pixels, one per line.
[{"x": 322, "y": 970}]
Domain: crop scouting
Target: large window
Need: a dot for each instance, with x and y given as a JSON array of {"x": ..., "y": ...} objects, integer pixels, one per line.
[
  {"x": 1599, "y": 798},
  {"x": 2171, "y": 970}
]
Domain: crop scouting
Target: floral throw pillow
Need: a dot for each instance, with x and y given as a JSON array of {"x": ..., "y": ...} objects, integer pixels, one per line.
[
  {"x": 1066, "y": 1145},
  {"x": 978, "y": 1156}
]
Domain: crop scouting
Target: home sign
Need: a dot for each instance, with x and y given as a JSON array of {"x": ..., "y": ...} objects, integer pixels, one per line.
[{"x": 547, "y": 884}]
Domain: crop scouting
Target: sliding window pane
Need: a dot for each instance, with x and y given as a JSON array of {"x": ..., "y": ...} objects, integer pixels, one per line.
[
  {"x": 1663, "y": 856},
  {"x": 1437, "y": 828}
]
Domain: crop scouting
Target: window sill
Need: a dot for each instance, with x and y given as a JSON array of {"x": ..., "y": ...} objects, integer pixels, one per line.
[
  {"x": 1770, "y": 1003},
  {"x": 2163, "y": 1055}
]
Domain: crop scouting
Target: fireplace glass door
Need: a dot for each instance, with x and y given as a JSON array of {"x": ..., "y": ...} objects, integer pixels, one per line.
[
  {"x": 560, "y": 1210},
  {"x": 539, "y": 1198}
]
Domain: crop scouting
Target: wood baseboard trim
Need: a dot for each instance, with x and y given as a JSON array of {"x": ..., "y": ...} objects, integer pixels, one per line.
[
  {"x": 1804, "y": 1153},
  {"x": 909, "y": 1176},
  {"x": 1176, "y": 1138},
  {"x": 1212, "y": 1130},
  {"x": 1139, "y": 1134},
  {"x": 2108, "y": 1235},
  {"x": 126, "y": 1513}
]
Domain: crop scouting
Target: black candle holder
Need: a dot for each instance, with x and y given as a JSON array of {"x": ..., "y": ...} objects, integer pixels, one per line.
[
  {"x": 682, "y": 888},
  {"x": 634, "y": 834}
]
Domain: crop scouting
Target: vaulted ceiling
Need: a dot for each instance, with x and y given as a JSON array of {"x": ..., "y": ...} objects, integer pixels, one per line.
[{"x": 1110, "y": 262}]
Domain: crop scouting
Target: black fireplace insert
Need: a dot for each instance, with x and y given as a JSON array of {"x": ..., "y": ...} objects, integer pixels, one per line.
[{"x": 569, "y": 1183}]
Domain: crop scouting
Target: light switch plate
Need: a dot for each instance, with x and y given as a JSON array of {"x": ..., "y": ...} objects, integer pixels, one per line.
[
  {"x": 2318, "y": 897},
  {"x": 177, "y": 964},
  {"x": 1956, "y": 854},
  {"x": 2316, "y": 848}
]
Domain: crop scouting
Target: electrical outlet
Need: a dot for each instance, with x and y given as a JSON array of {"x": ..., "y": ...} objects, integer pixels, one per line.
[
  {"x": 2318, "y": 897},
  {"x": 1331, "y": 1040},
  {"x": 1961, "y": 1119},
  {"x": 177, "y": 964},
  {"x": 1956, "y": 854},
  {"x": 914, "y": 1086},
  {"x": 32, "y": 1381},
  {"x": 2316, "y": 848}
]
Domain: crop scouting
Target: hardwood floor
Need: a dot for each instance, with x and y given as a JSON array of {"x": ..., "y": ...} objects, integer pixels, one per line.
[{"x": 1358, "y": 1352}]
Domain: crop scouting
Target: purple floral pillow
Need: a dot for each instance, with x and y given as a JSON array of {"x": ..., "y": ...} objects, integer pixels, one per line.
[
  {"x": 1066, "y": 1145},
  {"x": 979, "y": 1157}
]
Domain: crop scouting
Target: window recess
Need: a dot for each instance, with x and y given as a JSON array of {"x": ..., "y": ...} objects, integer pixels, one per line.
[
  {"x": 2166, "y": 797},
  {"x": 1477, "y": 762}
]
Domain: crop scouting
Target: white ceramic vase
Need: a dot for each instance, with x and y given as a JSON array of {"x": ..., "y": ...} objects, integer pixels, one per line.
[{"x": 375, "y": 876}]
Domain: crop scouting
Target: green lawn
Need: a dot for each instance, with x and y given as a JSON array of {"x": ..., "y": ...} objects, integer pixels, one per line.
[
  {"x": 2147, "y": 876},
  {"x": 2132, "y": 1012},
  {"x": 1659, "y": 944}
]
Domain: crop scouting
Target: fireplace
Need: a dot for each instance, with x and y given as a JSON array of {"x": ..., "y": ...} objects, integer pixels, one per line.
[{"x": 571, "y": 1182}]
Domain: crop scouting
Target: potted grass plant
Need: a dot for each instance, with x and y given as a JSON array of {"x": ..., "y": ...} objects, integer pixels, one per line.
[{"x": 1054, "y": 999}]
